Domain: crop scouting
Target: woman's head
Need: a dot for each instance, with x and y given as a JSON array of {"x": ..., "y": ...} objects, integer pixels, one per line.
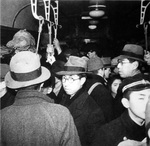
[{"x": 113, "y": 84}]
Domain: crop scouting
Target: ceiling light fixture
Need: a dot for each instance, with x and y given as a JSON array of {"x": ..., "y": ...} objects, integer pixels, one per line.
[
  {"x": 93, "y": 22},
  {"x": 98, "y": 10},
  {"x": 92, "y": 26},
  {"x": 86, "y": 18}
]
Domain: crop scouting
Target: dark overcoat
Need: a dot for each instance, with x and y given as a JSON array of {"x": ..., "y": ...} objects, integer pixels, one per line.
[
  {"x": 118, "y": 108},
  {"x": 101, "y": 95},
  {"x": 111, "y": 134},
  {"x": 87, "y": 115}
]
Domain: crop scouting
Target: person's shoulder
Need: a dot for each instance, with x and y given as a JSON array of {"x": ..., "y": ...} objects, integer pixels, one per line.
[{"x": 57, "y": 108}]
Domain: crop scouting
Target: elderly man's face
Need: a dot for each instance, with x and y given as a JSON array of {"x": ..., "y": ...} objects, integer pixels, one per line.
[{"x": 72, "y": 83}]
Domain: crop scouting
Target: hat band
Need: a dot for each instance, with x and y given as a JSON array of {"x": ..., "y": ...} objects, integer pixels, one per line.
[
  {"x": 130, "y": 54},
  {"x": 72, "y": 68},
  {"x": 107, "y": 65},
  {"x": 26, "y": 76}
]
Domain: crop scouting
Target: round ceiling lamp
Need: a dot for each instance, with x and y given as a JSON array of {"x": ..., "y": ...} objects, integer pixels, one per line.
[
  {"x": 93, "y": 22},
  {"x": 98, "y": 10},
  {"x": 92, "y": 26}
]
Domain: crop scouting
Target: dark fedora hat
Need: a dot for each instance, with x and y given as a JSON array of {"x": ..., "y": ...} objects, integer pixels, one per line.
[
  {"x": 132, "y": 51},
  {"x": 74, "y": 65}
]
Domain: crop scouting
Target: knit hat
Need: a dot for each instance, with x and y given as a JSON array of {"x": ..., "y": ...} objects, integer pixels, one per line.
[
  {"x": 22, "y": 40},
  {"x": 94, "y": 63},
  {"x": 74, "y": 65},
  {"x": 26, "y": 70},
  {"x": 132, "y": 51}
]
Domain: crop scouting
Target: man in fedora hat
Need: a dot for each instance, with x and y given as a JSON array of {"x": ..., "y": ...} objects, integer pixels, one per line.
[
  {"x": 131, "y": 124},
  {"x": 32, "y": 119},
  {"x": 87, "y": 114},
  {"x": 129, "y": 67}
]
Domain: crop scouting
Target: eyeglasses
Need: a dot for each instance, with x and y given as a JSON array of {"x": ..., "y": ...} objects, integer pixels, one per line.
[
  {"x": 70, "y": 79},
  {"x": 122, "y": 62}
]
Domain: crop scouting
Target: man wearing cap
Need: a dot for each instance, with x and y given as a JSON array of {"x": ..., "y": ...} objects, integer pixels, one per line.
[
  {"x": 129, "y": 66},
  {"x": 32, "y": 119},
  {"x": 87, "y": 114},
  {"x": 96, "y": 87},
  {"x": 131, "y": 124},
  {"x": 146, "y": 141}
]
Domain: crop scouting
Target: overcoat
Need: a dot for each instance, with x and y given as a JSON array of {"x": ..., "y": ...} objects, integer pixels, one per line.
[
  {"x": 111, "y": 134},
  {"x": 101, "y": 95},
  {"x": 34, "y": 121},
  {"x": 87, "y": 115}
]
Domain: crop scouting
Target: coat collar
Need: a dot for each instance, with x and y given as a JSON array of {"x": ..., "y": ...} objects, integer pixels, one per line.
[
  {"x": 130, "y": 125},
  {"x": 30, "y": 96}
]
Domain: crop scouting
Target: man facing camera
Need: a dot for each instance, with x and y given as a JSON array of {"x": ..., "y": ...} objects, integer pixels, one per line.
[
  {"x": 131, "y": 124},
  {"x": 87, "y": 115}
]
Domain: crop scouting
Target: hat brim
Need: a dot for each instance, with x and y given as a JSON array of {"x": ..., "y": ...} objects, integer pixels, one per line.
[
  {"x": 125, "y": 56},
  {"x": 110, "y": 66},
  {"x": 69, "y": 72},
  {"x": 11, "y": 83}
]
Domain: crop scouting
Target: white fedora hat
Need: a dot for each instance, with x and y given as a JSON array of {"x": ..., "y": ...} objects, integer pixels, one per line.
[{"x": 26, "y": 70}]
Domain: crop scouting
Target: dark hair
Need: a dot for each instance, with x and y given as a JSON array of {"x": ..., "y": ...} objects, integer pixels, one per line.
[
  {"x": 50, "y": 82},
  {"x": 112, "y": 79},
  {"x": 126, "y": 94},
  {"x": 82, "y": 75},
  {"x": 139, "y": 62}
]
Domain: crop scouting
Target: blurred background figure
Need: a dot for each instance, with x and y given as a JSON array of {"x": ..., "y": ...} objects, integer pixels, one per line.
[
  {"x": 92, "y": 49},
  {"x": 47, "y": 88},
  {"x": 7, "y": 95},
  {"x": 107, "y": 67}
]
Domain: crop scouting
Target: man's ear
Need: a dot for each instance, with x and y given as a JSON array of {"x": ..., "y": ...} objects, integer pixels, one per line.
[
  {"x": 135, "y": 64},
  {"x": 83, "y": 79},
  {"x": 125, "y": 102},
  {"x": 41, "y": 85}
]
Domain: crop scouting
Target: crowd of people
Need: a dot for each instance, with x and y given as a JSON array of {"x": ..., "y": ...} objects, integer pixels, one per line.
[{"x": 68, "y": 98}]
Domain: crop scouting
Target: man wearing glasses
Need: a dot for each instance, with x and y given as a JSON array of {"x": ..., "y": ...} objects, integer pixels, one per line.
[
  {"x": 130, "y": 64},
  {"x": 87, "y": 114}
]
